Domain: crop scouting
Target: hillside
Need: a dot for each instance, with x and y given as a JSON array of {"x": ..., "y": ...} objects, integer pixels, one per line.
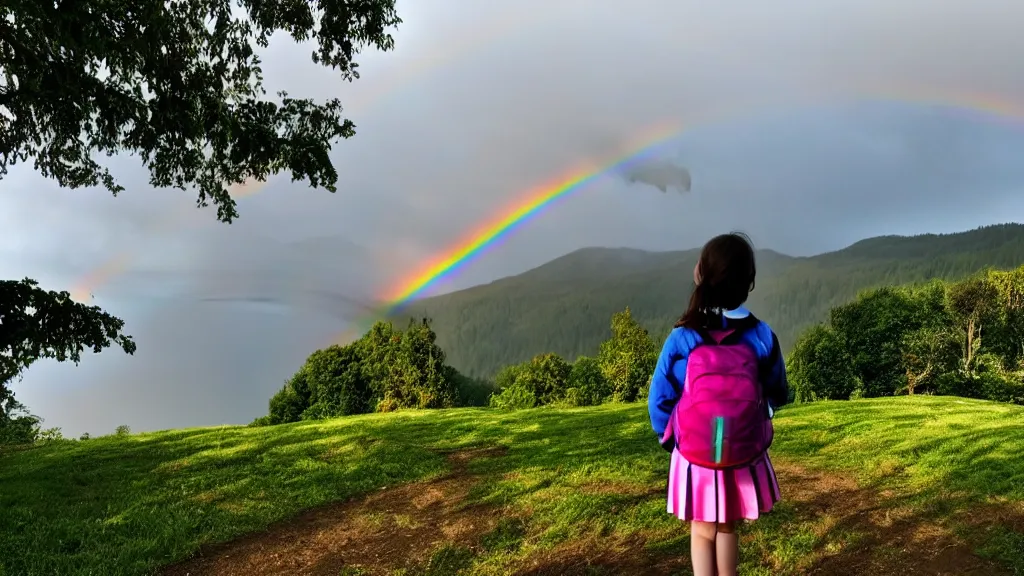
[
  {"x": 869, "y": 487},
  {"x": 564, "y": 306}
]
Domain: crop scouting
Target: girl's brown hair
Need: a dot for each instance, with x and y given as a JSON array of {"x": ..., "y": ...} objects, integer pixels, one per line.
[{"x": 723, "y": 278}]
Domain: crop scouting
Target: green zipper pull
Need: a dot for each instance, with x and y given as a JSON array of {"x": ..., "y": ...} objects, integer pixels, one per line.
[{"x": 719, "y": 434}]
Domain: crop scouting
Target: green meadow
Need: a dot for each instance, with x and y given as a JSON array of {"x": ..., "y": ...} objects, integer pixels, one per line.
[{"x": 871, "y": 486}]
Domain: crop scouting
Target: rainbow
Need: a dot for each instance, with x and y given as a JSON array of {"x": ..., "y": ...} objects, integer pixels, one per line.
[
  {"x": 515, "y": 215},
  {"x": 505, "y": 223},
  {"x": 535, "y": 201}
]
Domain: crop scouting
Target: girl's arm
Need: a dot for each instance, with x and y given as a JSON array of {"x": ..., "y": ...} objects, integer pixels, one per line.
[
  {"x": 773, "y": 375},
  {"x": 665, "y": 390}
]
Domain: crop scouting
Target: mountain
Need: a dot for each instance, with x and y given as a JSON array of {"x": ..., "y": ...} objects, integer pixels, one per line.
[{"x": 565, "y": 305}]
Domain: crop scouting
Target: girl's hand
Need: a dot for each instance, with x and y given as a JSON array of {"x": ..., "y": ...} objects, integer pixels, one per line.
[{"x": 669, "y": 445}]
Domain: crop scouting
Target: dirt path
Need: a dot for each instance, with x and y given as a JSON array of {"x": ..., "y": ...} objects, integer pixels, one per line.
[
  {"x": 401, "y": 527},
  {"x": 394, "y": 528},
  {"x": 894, "y": 540}
]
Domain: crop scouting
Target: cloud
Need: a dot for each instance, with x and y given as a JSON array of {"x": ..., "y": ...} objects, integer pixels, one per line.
[
  {"x": 477, "y": 106},
  {"x": 662, "y": 174}
]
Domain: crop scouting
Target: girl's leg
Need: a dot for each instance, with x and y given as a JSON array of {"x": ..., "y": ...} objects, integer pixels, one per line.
[
  {"x": 702, "y": 548},
  {"x": 727, "y": 549}
]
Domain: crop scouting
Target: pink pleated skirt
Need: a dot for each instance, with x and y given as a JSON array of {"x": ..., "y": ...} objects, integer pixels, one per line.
[{"x": 705, "y": 495}]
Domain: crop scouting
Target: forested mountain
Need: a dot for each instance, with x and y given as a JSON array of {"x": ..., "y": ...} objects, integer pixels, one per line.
[{"x": 564, "y": 306}]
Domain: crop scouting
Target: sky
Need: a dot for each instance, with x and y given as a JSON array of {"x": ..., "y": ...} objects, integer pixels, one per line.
[{"x": 810, "y": 124}]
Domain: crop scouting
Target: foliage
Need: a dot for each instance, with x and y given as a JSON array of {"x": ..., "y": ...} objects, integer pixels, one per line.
[
  {"x": 17, "y": 426},
  {"x": 564, "y": 305},
  {"x": 820, "y": 367},
  {"x": 587, "y": 384},
  {"x": 385, "y": 370},
  {"x": 193, "y": 488},
  {"x": 179, "y": 85},
  {"x": 546, "y": 376},
  {"x": 628, "y": 358},
  {"x": 959, "y": 338},
  {"x": 50, "y": 435},
  {"x": 928, "y": 352},
  {"x": 541, "y": 381},
  {"x": 337, "y": 383},
  {"x": 473, "y": 391},
  {"x": 37, "y": 324},
  {"x": 176, "y": 84},
  {"x": 514, "y": 397}
]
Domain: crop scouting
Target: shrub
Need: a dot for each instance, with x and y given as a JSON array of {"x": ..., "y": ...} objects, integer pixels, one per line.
[
  {"x": 515, "y": 397},
  {"x": 587, "y": 384},
  {"x": 50, "y": 435}
]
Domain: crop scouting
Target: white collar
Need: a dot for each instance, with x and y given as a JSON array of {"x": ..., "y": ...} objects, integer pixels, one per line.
[{"x": 737, "y": 313}]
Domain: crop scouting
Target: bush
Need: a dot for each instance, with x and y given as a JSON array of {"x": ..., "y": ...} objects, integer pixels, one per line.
[
  {"x": 287, "y": 405},
  {"x": 23, "y": 429},
  {"x": 336, "y": 383},
  {"x": 546, "y": 376},
  {"x": 587, "y": 384},
  {"x": 515, "y": 397},
  {"x": 1001, "y": 387},
  {"x": 123, "y": 430},
  {"x": 820, "y": 367},
  {"x": 50, "y": 435}
]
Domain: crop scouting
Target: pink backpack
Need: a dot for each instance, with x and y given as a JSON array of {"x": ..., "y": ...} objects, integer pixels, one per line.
[{"x": 722, "y": 419}]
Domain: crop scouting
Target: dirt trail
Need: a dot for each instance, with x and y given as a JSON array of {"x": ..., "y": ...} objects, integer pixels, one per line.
[
  {"x": 894, "y": 541},
  {"x": 400, "y": 527},
  {"x": 391, "y": 529}
]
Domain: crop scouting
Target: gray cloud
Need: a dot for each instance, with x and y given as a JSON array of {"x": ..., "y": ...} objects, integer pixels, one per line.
[
  {"x": 808, "y": 122},
  {"x": 659, "y": 173}
]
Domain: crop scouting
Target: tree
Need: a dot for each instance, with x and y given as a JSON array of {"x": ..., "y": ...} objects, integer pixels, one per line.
[
  {"x": 177, "y": 84},
  {"x": 37, "y": 323},
  {"x": 820, "y": 366},
  {"x": 428, "y": 381},
  {"x": 628, "y": 358},
  {"x": 927, "y": 354},
  {"x": 540, "y": 381},
  {"x": 337, "y": 384},
  {"x": 873, "y": 327},
  {"x": 973, "y": 302},
  {"x": 587, "y": 384},
  {"x": 546, "y": 376}
]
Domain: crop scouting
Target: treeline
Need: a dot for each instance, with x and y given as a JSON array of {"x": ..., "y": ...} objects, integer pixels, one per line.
[
  {"x": 620, "y": 372},
  {"x": 390, "y": 369},
  {"x": 385, "y": 370},
  {"x": 563, "y": 306},
  {"x": 963, "y": 338}
]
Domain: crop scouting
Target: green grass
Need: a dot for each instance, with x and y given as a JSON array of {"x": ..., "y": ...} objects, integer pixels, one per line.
[{"x": 127, "y": 505}]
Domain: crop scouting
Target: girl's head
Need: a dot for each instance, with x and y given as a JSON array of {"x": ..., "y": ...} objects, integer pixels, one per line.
[{"x": 723, "y": 278}]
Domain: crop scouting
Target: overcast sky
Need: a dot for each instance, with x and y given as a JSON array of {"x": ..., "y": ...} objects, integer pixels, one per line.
[{"x": 811, "y": 125}]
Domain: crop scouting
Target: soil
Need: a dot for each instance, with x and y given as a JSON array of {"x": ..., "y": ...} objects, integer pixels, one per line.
[
  {"x": 374, "y": 535},
  {"x": 401, "y": 527}
]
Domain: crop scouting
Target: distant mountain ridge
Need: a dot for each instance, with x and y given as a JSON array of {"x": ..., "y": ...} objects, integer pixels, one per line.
[{"x": 565, "y": 305}]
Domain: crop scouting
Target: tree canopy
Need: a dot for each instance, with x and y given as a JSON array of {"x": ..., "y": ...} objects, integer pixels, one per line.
[
  {"x": 960, "y": 338},
  {"x": 177, "y": 84}
]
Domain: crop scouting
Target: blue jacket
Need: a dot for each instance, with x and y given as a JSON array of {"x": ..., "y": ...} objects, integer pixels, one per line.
[{"x": 670, "y": 372}]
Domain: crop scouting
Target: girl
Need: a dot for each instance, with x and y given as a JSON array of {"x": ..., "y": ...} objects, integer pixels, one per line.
[{"x": 717, "y": 493}]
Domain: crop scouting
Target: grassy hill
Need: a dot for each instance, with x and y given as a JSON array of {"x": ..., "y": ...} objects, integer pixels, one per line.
[
  {"x": 565, "y": 306},
  {"x": 919, "y": 485}
]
